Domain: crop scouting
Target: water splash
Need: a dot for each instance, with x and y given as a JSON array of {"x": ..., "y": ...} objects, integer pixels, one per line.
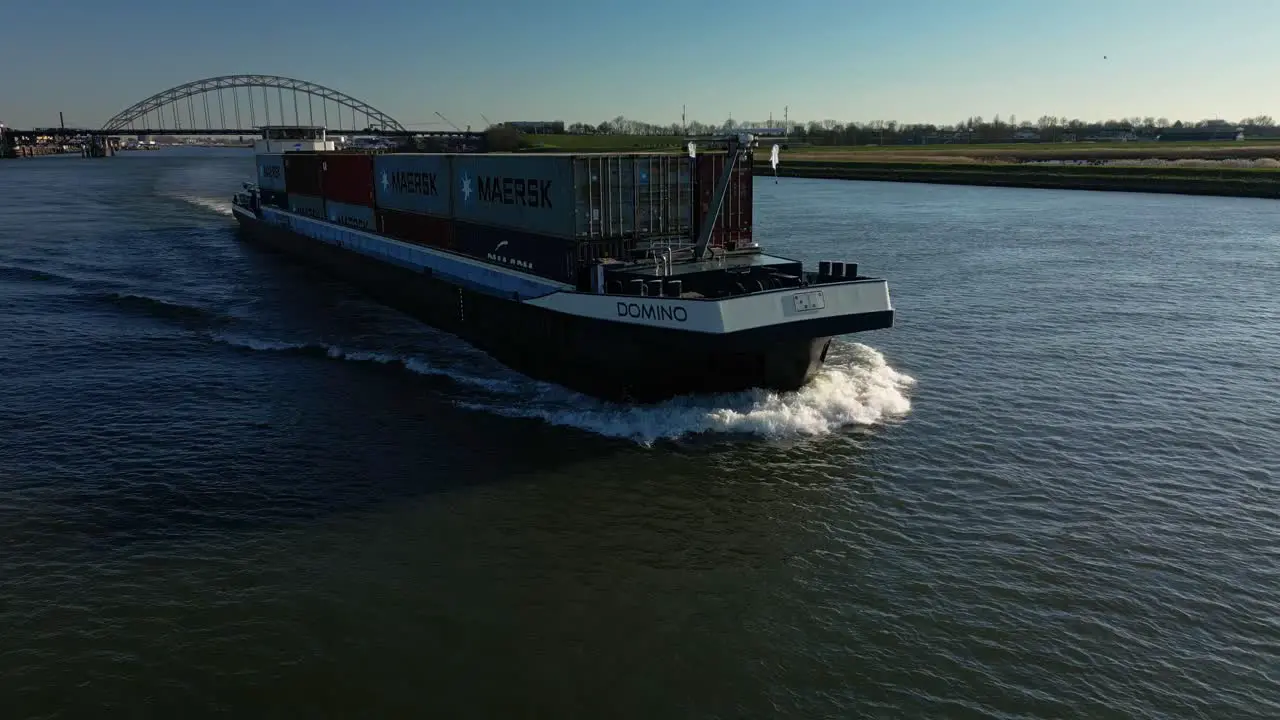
[
  {"x": 221, "y": 207},
  {"x": 856, "y": 387}
]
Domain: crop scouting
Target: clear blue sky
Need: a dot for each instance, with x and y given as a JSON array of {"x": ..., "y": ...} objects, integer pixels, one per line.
[{"x": 918, "y": 61}]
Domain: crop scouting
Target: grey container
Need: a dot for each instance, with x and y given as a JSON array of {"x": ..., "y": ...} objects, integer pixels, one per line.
[
  {"x": 416, "y": 183},
  {"x": 576, "y": 196},
  {"x": 308, "y": 205},
  {"x": 271, "y": 172},
  {"x": 359, "y": 217}
]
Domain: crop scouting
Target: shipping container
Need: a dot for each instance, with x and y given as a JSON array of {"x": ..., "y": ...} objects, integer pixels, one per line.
[
  {"x": 428, "y": 230},
  {"x": 359, "y": 217},
  {"x": 271, "y": 172},
  {"x": 347, "y": 178},
  {"x": 576, "y": 196},
  {"x": 734, "y": 224},
  {"x": 273, "y": 198},
  {"x": 302, "y": 173},
  {"x": 542, "y": 255},
  {"x": 633, "y": 195},
  {"x": 309, "y": 205},
  {"x": 412, "y": 183}
]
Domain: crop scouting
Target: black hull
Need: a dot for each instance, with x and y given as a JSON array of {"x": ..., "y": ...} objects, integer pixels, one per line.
[{"x": 608, "y": 360}]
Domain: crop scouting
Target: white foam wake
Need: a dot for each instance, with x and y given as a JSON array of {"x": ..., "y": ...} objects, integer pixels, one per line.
[
  {"x": 410, "y": 363},
  {"x": 856, "y": 387},
  {"x": 221, "y": 207}
]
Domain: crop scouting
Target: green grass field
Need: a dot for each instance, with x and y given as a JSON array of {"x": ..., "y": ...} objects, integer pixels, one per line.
[
  {"x": 1236, "y": 168},
  {"x": 1237, "y": 183},
  {"x": 950, "y": 153},
  {"x": 1023, "y": 152}
]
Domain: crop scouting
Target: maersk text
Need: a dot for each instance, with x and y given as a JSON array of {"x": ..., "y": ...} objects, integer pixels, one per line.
[{"x": 529, "y": 192}]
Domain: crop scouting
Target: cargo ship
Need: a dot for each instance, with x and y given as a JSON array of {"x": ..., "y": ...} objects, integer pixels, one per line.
[{"x": 628, "y": 277}]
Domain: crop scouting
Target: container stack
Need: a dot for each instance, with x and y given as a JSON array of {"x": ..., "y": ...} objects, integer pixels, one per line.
[
  {"x": 733, "y": 226},
  {"x": 302, "y": 182},
  {"x": 538, "y": 213},
  {"x": 412, "y": 195},
  {"x": 271, "y": 186},
  {"x": 346, "y": 183}
]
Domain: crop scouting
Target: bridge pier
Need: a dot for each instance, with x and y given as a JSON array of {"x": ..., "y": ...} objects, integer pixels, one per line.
[{"x": 99, "y": 146}]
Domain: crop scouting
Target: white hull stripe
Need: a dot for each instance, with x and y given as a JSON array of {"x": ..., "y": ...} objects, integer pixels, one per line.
[
  {"x": 456, "y": 268},
  {"x": 728, "y": 315}
]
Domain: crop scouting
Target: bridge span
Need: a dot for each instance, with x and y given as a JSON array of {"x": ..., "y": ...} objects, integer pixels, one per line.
[{"x": 234, "y": 105}]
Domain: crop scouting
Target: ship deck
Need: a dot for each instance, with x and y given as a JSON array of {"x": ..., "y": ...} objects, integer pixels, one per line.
[{"x": 728, "y": 263}]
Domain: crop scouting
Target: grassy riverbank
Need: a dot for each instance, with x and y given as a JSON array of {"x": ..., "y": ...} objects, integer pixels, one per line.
[
  {"x": 1039, "y": 152},
  {"x": 1262, "y": 183},
  {"x": 1241, "y": 169},
  {"x": 1222, "y": 168}
]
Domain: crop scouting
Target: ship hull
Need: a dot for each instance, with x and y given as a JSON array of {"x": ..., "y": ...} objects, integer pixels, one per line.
[{"x": 602, "y": 358}]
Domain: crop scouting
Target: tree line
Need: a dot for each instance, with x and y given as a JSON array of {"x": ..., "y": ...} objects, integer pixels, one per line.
[{"x": 1047, "y": 128}]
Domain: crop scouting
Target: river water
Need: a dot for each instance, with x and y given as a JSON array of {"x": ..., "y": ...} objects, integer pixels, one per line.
[{"x": 231, "y": 486}]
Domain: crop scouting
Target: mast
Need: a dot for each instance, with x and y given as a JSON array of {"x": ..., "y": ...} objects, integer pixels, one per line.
[{"x": 738, "y": 145}]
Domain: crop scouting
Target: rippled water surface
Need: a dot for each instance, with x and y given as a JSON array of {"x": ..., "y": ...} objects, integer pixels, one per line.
[{"x": 231, "y": 486}]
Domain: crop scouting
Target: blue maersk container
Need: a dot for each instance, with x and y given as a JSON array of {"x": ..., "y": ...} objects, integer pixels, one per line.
[
  {"x": 546, "y": 256},
  {"x": 580, "y": 197},
  {"x": 271, "y": 172},
  {"x": 576, "y": 196},
  {"x": 416, "y": 183}
]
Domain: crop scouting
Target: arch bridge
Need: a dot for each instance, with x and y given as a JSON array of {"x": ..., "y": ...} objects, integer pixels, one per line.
[{"x": 241, "y": 104}]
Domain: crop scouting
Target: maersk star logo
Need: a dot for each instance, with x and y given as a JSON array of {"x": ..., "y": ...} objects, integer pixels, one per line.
[
  {"x": 385, "y": 182},
  {"x": 466, "y": 187}
]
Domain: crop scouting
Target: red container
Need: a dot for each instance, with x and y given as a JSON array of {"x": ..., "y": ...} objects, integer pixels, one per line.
[
  {"x": 302, "y": 174},
  {"x": 428, "y": 230},
  {"x": 735, "y": 221},
  {"x": 347, "y": 178}
]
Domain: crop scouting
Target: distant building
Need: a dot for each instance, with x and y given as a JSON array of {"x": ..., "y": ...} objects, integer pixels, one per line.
[
  {"x": 1026, "y": 135},
  {"x": 1201, "y": 134}
]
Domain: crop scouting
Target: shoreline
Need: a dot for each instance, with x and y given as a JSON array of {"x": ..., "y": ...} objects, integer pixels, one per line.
[{"x": 1226, "y": 182}]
